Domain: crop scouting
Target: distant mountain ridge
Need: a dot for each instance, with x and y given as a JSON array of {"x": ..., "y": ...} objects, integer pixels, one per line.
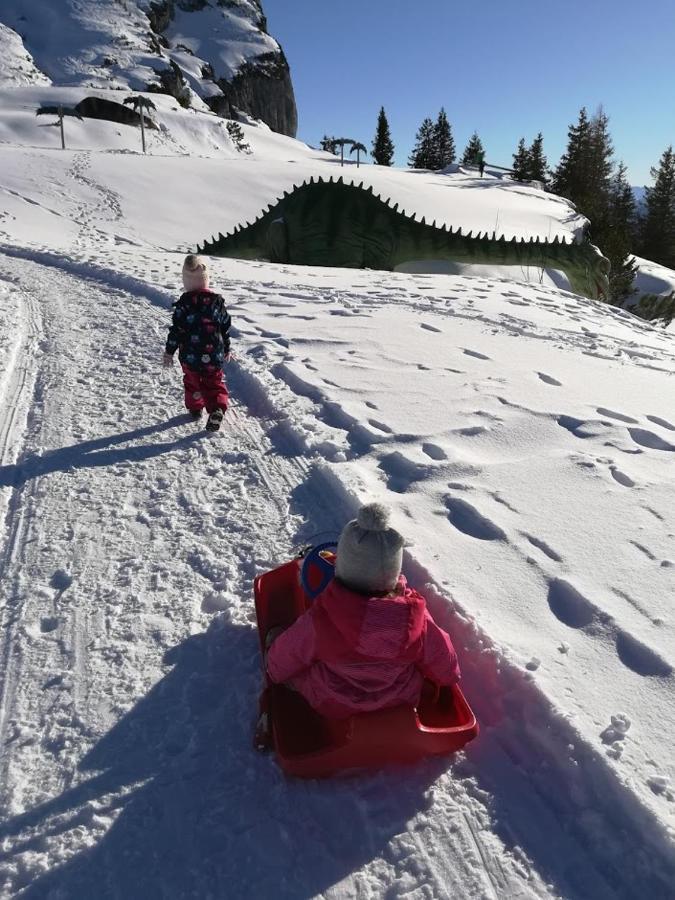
[{"x": 212, "y": 54}]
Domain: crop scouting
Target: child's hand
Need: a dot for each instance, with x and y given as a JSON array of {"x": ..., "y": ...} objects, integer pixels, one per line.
[{"x": 167, "y": 360}]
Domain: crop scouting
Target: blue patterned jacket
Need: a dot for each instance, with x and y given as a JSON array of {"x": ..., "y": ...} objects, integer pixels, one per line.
[{"x": 200, "y": 330}]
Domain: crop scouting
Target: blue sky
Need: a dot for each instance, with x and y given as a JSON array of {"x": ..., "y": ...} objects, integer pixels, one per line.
[{"x": 504, "y": 69}]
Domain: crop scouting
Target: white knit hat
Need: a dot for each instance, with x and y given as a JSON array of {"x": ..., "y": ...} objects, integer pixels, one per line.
[
  {"x": 195, "y": 273},
  {"x": 369, "y": 552}
]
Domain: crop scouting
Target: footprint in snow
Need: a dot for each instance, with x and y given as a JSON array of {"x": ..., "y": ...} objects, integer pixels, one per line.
[
  {"x": 549, "y": 379},
  {"x": 639, "y": 658},
  {"x": 430, "y": 328},
  {"x": 664, "y": 423},
  {"x": 475, "y": 354},
  {"x": 543, "y": 546},
  {"x": 646, "y": 438},
  {"x": 621, "y": 477},
  {"x": 61, "y": 580},
  {"x": 469, "y": 521},
  {"x": 603, "y": 411},
  {"x": 401, "y": 472},
  {"x": 381, "y": 426},
  {"x": 568, "y": 605},
  {"x": 470, "y": 430},
  {"x": 648, "y": 553},
  {"x": 433, "y": 451}
]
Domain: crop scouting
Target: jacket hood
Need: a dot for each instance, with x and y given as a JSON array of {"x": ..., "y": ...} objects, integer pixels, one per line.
[{"x": 376, "y": 627}]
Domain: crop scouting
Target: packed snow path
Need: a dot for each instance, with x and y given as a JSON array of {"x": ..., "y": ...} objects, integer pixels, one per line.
[{"x": 130, "y": 667}]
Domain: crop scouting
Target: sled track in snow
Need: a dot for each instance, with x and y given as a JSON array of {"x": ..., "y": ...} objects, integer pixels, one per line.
[{"x": 16, "y": 393}]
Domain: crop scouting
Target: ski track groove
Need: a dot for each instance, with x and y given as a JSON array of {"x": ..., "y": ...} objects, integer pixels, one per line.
[
  {"x": 17, "y": 387},
  {"x": 167, "y": 525}
]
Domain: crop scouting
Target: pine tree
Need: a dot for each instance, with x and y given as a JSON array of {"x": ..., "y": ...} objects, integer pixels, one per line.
[
  {"x": 658, "y": 226},
  {"x": 236, "y": 133},
  {"x": 595, "y": 199},
  {"x": 521, "y": 163},
  {"x": 584, "y": 172},
  {"x": 423, "y": 154},
  {"x": 383, "y": 147},
  {"x": 618, "y": 240},
  {"x": 569, "y": 173},
  {"x": 473, "y": 151},
  {"x": 538, "y": 164},
  {"x": 444, "y": 142}
]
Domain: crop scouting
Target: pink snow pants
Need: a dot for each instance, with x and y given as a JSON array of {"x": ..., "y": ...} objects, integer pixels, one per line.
[{"x": 204, "y": 389}]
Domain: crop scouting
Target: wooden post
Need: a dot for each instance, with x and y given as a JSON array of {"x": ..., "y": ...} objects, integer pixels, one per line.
[
  {"x": 63, "y": 137},
  {"x": 142, "y": 130}
]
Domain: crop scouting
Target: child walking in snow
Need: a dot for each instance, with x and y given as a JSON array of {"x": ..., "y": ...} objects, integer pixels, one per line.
[
  {"x": 200, "y": 330},
  {"x": 368, "y": 641}
]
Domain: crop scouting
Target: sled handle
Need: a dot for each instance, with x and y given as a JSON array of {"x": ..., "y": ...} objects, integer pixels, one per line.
[{"x": 326, "y": 567}]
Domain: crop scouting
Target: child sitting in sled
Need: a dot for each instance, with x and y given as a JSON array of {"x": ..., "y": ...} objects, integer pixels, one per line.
[
  {"x": 200, "y": 331},
  {"x": 368, "y": 641}
]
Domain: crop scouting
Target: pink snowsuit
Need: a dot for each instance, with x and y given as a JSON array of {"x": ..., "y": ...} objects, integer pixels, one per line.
[{"x": 353, "y": 653}]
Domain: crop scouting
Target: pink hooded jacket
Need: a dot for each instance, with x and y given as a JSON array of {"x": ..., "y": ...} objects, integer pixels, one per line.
[{"x": 352, "y": 653}]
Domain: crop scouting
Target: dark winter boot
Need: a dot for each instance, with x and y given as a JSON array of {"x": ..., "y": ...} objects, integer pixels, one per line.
[
  {"x": 195, "y": 413},
  {"x": 214, "y": 420}
]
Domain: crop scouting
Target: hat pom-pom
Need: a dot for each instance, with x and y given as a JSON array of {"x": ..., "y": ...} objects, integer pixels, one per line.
[{"x": 373, "y": 517}]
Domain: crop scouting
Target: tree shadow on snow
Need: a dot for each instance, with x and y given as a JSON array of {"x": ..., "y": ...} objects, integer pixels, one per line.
[
  {"x": 197, "y": 811},
  {"x": 98, "y": 452}
]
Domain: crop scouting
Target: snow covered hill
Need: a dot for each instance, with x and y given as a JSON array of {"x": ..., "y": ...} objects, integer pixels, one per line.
[
  {"x": 210, "y": 54},
  {"x": 523, "y": 436}
]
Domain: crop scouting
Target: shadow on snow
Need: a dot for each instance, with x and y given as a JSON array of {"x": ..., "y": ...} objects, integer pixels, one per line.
[
  {"x": 98, "y": 452},
  {"x": 198, "y": 812}
]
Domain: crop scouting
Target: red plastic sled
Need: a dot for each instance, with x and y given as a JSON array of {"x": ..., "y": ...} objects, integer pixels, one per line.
[{"x": 310, "y": 746}]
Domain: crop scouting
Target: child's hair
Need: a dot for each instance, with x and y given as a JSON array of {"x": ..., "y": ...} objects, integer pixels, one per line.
[
  {"x": 369, "y": 552},
  {"x": 195, "y": 273}
]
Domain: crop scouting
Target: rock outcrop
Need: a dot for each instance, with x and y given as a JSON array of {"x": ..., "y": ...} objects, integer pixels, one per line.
[{"x": 206, "y": 53}]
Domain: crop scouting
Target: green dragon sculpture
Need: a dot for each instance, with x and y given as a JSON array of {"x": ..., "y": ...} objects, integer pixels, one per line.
[{"x": 331, "y": 223}]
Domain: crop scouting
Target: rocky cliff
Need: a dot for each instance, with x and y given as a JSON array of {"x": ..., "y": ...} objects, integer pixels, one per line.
[{"x": 206, "y": 53}]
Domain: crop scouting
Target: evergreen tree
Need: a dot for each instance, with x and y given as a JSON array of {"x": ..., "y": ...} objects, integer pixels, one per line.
[
  {"x": 538, "y": 164},
  {"x": 584, "y": 172},
  {"x": 595, "y": 199},
  {"x": 521, "y": 163},
  {"x": 619, "y": 237},
  {"x": 473, "y": 150},
  {"x": 444, "y": 142},
  {"x": 569, "y": 173},
  {"x": 383, "y": 147},
  {"x": 423, "y": 154},
  {"x": 658, "y": 226},
  {"x": 236, "y": 133}
]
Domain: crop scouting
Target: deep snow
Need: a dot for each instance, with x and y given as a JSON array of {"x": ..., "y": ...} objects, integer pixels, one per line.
[{"x": 523, "y": 436}]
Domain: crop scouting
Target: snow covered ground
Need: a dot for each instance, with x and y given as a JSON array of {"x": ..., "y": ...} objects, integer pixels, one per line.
[
  {"x": 524, "y": 438},
  {"x": 651, "y": 278}
]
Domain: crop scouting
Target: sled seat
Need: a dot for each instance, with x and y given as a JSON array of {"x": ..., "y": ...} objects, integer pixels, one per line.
[{"x": 309, "y": 745}]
